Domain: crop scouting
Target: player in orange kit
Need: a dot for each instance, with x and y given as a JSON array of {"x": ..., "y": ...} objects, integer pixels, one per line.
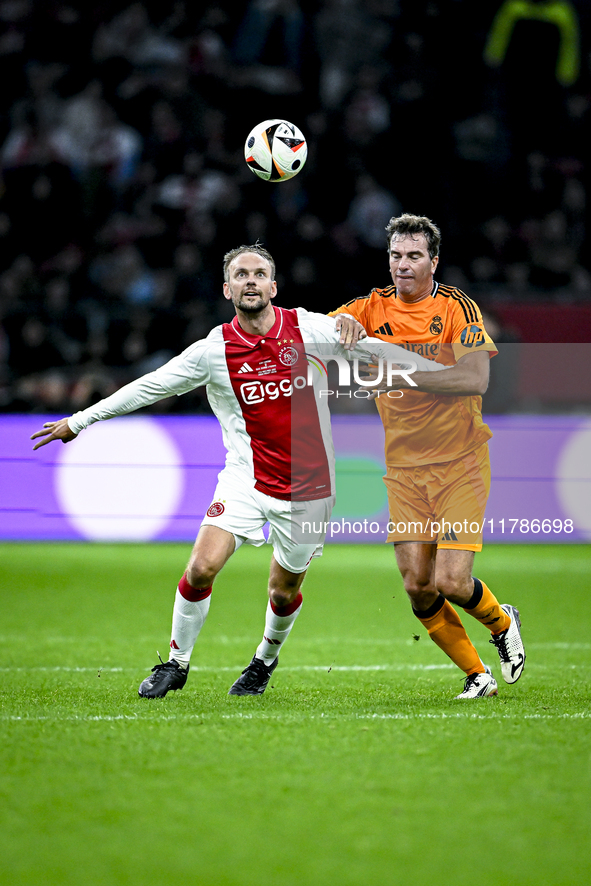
[{"x": 437, "y": 460}]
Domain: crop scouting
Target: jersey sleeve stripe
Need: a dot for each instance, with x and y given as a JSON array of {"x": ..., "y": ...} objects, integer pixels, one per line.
[
  {"x": 474, "y": 308},
  {"x": 357, "y": 298},
  {"x": 466, "y": 301},
  {"x": 458, "y": 299},
  {"x": 470, "y": 305}
]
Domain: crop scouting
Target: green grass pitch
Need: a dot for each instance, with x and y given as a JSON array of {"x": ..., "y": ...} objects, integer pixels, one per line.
[{"x": 356, "y": 767}]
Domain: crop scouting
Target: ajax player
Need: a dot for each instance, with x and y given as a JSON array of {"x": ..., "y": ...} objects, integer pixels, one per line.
[
  {"x": 280, "y": 461},
  {"x": 437, "y": 460}
]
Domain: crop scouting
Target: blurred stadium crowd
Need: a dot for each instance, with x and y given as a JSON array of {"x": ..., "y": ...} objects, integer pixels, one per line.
[{"x": 123, "y": 180}]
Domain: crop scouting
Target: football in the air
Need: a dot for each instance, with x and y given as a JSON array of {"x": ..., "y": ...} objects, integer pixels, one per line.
[{"x": 275, "y": 150}]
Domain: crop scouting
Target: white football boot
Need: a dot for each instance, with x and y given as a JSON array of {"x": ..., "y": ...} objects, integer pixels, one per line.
[
  {"x": 510, "y": 647},
  {"x": 479, "y": 685}
]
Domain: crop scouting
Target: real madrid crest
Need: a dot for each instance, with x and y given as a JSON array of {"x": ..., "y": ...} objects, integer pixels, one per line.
[{"x": 436, "y": 326}]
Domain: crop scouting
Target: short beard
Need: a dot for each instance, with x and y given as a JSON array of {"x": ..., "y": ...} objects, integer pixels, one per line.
[{"x": 255, "y": 308}]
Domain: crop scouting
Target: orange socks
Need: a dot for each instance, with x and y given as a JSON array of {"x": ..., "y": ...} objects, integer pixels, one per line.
[
  {"x": 447, "y": 631},
  {"x": 485, "y": 608}
]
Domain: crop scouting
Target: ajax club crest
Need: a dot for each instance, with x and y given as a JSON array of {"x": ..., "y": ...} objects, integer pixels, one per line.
[
  {"x": 216, "y": 509},
  {"x": 288, "y": 356}
]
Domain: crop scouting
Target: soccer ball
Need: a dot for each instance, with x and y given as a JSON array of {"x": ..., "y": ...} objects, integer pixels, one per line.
[{"x": 275, "y": 150}]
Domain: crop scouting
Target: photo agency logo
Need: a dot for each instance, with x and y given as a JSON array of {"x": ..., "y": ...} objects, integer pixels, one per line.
[
  {"x": 370, "y": 377},
  {"x": 267, "y": 379}
]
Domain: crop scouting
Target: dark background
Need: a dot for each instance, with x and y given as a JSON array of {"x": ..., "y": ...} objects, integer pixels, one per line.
[{"x": 123, "y": 178}]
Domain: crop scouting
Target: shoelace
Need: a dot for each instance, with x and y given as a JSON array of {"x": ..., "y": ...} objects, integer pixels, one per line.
[
  {"x": 163, "y": 664},
  {"x": 470, "y": 679},
  {"x": 254, "y": 672},
  {"x": 501, "y": 644}
]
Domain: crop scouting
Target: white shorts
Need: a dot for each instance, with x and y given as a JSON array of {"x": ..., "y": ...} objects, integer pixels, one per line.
[{"x": 296, "y": 528}]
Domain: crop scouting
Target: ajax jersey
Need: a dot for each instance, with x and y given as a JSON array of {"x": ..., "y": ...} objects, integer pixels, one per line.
[{"x": 278, "y": 413}]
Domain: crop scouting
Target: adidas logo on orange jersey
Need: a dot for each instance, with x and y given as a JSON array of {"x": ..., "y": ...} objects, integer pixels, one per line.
[{"x": 383, "y": 330}]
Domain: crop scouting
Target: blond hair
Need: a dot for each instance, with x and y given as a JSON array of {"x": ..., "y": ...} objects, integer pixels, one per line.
[{"x": 240, "y": 250}]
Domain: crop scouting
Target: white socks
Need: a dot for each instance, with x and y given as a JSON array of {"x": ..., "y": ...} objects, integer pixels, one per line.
[
  {"x": 188, "y": 617},
  {"x": 191, "y": 606},
  {"x": 277, "y": 628}
]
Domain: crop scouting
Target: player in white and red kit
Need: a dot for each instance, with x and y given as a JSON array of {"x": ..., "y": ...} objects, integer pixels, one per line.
[{"x": 280, "y": 459}]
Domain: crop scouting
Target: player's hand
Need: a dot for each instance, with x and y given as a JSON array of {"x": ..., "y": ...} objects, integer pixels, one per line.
[
  {"x": 351, "y": 331},
  {"x": 369, "y": 371},
  {"x": 54, "y": 430}
]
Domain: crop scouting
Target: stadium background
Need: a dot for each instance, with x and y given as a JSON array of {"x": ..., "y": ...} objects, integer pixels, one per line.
[{"x": 123, "y": 181}]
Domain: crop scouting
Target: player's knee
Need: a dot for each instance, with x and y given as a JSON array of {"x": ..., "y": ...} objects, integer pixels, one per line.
[
  {"x": 422, "y": 594},
  {"x": 453, "y": 588},
  {"x": 201, "y": 574},
  {"x": 418, "y": 590},
  {"x": 282, "y": 596}
]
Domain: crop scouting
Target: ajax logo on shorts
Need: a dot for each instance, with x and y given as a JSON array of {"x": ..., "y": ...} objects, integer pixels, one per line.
[
  {"x": 216, "y": 509},
  {"x": 472, "y": 337}
]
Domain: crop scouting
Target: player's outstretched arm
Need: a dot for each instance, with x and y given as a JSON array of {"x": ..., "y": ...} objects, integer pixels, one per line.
[
  {"x": 181, "y": 374},
  {"x": 54, "y": 430},
  {"x": 468, "y": 377},
  {"x": 351, "y": 331}
]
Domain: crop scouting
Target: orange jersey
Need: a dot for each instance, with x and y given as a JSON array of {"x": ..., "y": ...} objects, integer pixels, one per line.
[{"x": 426, "y": 428}]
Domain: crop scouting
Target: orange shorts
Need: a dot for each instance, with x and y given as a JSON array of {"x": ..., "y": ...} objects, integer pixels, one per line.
[{"x": 440, "y": 504}]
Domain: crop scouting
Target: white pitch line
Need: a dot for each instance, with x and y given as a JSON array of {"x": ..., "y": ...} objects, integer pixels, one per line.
[
  {"x": 212, "y": 668},
  {"x": 263, "y": 715},
  {"x": 312, "y": 641},
  {"x": 559, "y": 645},
  {"x": 327, "y": 668}
]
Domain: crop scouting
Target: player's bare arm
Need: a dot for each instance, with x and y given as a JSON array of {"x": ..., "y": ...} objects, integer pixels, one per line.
[
  {"x": 351, "y": 331},
  {"x": 469, "y": 377},
  {"x": 54, "y": 430}
]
